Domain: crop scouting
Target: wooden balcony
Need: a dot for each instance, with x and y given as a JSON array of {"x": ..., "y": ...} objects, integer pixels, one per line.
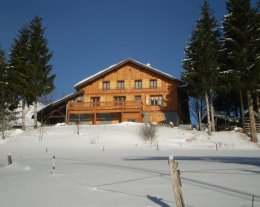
[{"x": 105, "y": 107}]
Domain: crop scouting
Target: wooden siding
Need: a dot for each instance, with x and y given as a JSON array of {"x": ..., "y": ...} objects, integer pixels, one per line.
[{"x": 128, "y": 73}]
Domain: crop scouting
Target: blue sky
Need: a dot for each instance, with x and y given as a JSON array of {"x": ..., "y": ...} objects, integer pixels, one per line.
[{"x": 87, "y": 36}]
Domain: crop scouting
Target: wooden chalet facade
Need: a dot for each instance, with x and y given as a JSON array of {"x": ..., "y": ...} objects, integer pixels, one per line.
[{"x": 127, "y": 91}]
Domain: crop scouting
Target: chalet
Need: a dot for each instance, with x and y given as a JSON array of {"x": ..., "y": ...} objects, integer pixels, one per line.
[{"x": 127, "y": 91}]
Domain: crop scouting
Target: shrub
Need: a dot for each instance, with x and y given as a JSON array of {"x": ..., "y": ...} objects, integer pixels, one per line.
[{"x": 148, "y": 132}]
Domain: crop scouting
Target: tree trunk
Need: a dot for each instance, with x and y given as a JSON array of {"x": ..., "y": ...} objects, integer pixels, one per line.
[
  {"x": 35, "y": 115},
  {"x": 199, "y": 113},
  {"x": 251, "y": 117},
  {"x": 2, "y": 123},
  {"x": 23, "y": 114},
  {"x": 258, "y": 106},
  {"x": 208, "y": 113},
  {"x": 242, "y": 110},
  {"x": 212, "y": 114}
]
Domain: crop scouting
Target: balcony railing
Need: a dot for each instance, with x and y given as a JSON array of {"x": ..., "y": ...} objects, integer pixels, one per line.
[{"x": 113, "y": 106}]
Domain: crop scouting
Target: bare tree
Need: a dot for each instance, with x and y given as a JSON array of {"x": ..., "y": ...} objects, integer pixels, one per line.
[{"x": 148, "y": 132}]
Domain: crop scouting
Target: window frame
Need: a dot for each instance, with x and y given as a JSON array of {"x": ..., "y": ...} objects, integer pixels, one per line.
[
  {"x": 120, "y": 84},
  {"x": 118, "y": 100},
  {"x": 153, "y": 83},
  {"x": 156, "y": 100},
  {"x": 138, "y": 84},
  {"x": 95, "y": 100},
  {"x": 106, "y": 85},
  {"x": 139, "y": 99}
]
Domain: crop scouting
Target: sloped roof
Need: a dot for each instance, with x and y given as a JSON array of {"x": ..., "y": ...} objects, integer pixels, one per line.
[
  {"x": 113, "y": 67},
  {"x": 61, "y": 100}
]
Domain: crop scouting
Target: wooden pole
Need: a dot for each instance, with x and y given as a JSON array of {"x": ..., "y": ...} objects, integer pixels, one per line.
[
  {"x": 77, "y": 123},
  {"x": 9, "y": 159},
  {"x": 176, "y": 182},
  {"x": 66, "y": 116},
  {"x": 95, "y": 117}
]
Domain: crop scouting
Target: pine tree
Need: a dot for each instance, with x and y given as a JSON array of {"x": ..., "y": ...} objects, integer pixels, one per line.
[
  {"x": 39, "y": 60},
  {"x": 240, "y": 52},
  {"x": 201, "y": 61},
  {"x": 21, "y": 69},
  {"x": 3, "y": 83},
  {"x": 257, "y": 44},
  {"x": 8, "y": 100}
]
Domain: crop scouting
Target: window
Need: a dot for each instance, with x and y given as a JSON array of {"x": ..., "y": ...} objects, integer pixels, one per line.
[
  {"x": 156, "y": 100},
  {"x": 95, "y": 101},
  {"x": 106, "y": 85},
  {"x": 120, "y": 84},
  {"x": 138, "y": 98},
  {"x": 119, "y": 100},
  {"x": 79, "y": 118},
  {"x": 153, "y": 83},
  {"x": 138, "y": 84}
]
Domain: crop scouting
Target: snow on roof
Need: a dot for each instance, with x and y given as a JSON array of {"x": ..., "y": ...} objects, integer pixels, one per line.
[
  {"x": 93, "y": 76},
  {"x": 112, "y": 67},
  {"x": 61, "y": 99}
]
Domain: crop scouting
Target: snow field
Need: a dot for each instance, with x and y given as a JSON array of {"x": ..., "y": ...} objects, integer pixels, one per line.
[{"x": 110, "y": 165}]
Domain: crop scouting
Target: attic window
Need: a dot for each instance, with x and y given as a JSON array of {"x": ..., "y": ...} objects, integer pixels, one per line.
[
  {"x": 153, "y": 83},
  {"x": 138, "y": 84},
  {"x": 106, "y": 85},
  {"x": 120, "y": 84}
]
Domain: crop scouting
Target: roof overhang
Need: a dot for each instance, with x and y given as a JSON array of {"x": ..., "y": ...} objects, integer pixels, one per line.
[{"x": 60, "y": 101}]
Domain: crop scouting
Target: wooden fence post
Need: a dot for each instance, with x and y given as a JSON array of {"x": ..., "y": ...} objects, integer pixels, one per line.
[
  {"x": 77, "y": 124},
  {"x": 9, "y": 159},
  {"x": 176, "y": 181}
]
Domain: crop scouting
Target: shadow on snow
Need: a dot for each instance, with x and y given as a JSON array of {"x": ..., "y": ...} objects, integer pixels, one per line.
[{"x": 255, "y": 161}]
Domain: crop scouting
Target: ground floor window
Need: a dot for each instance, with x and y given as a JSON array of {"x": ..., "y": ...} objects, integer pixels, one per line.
[{"x": 79, "y": 118}]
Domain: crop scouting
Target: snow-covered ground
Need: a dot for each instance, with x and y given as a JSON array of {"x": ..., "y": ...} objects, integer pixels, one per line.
[{"x": 110, "y": 165}]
